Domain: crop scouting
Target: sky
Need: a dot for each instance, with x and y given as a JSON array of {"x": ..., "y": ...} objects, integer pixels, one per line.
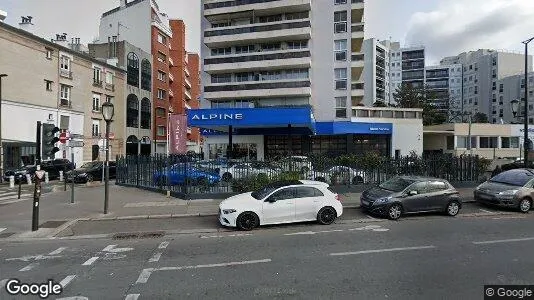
[{"x": 445, "y": 27}]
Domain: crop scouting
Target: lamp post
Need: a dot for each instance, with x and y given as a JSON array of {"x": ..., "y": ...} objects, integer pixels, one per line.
[
  {"x": 526, "y": 141},
  {"x": 1, "y": 145},
  {"x": 107, "y": 112}
]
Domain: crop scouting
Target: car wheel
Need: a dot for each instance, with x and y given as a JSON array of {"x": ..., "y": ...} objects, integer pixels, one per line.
[
  {"x": 227, "y": 176},
  {"x": 247, "y": 221},
  {"x": 525, "y": 205},
  {"x": 327, "y": 215},
  {"x": 395, "y": 211},
  {"x": 453, "y": 208},
  {"x": 357, "y": 180},
  {"x": 90, "y": 178}
]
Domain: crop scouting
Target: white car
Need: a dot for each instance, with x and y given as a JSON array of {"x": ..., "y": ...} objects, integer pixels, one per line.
[
  {"x": 345, "y": 175},
  {"x": 281, "y": 202}
]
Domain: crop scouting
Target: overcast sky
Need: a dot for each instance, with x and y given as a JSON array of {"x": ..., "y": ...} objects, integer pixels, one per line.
[{"x": 445, "y": 27}]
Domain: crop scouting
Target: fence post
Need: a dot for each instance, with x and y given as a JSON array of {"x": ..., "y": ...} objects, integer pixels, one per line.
[{"x": 137, "y": 170}]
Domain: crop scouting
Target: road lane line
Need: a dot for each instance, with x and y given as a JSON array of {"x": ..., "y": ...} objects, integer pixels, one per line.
[
  {"x": 156, "y": 257},
  {"x": 67, "y": 280},
  {"x": 382, "y": 250},
  {"x": 57, "y": 251},
  {"x": 29, "y": 267},
  {"x": 132, "y": 296},
  {"x": 2, "y": 229},
  {"x": 487, "y": 211},
  {"x": 90, "y": 261},
  {"x": 504, "y": 241},
  {"x": 145, "y": 274},
  {"x": 370, "y": 217},
  {"x": 109, "y": 248},
  {"x": 163, "y": 245}
]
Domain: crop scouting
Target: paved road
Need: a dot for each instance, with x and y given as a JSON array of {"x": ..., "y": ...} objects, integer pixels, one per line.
[{"x": 415, "y": 258}]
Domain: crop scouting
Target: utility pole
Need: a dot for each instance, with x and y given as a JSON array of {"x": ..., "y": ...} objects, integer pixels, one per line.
[
  {"x": 1, "y": 145},
  {"x": 526, "y": 141}
]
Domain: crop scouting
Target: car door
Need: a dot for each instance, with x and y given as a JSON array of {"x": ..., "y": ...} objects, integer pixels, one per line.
[
  {"x": 416, "y": 202},
  {"x": 307, "y": 202},
  {"x": 279, "y": 207},
  {"x": 437, "y": 196}
]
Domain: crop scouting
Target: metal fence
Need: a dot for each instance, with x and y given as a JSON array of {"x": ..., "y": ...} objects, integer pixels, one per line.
[{"x": 184, "y": 176}]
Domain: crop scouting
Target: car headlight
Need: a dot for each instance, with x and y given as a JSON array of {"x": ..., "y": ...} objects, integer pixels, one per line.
[
  {"x": 383, "y": 200},
  {"x": 229, "y": 211},
  {"x": 508, "y": 193}
]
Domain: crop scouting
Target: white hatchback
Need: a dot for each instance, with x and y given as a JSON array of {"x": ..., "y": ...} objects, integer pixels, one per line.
[{"x": 281, "y": 202}]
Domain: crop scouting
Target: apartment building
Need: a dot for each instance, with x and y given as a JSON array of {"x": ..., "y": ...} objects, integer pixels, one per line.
[
  {"x": 142, "y": 24},
  {"x": 509, "y": 89},
  {"x": 63, "y": 87},
  {"x": 138, "y": 89},
  {"x": 445, "y": 86},
  {"x": 482, "y": 70}
]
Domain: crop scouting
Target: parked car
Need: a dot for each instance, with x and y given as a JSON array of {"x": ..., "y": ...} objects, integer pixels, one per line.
[
  {"x": 53, "y": 167},
  {"x": 91, "y": 171},
  {"x": 296, "y": 163},
  {"x": 281, "y": 202},
  {"x": 184, "y": 173},
  {"x": 411, "y": 194},
  {"x": 244, "y": 170},
  {"x": 342, "y": 175},
  {"x": 512, "y": 188}
]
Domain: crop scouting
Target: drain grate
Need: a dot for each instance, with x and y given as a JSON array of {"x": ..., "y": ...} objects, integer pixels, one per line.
[
  {"x": 6, "y": 235},
  {"x": 138, "y": 235},
  {"x": 52, "y": 224}
]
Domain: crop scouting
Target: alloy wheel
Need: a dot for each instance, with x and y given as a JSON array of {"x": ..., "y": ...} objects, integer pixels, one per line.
[
  {"x": 327, "y": 216},
  {"x": 453, "y": 208},
  {"x": 247, "y": 221},
  {"x": 524, "y": 205},
  {"x": 395, "y": 212}
]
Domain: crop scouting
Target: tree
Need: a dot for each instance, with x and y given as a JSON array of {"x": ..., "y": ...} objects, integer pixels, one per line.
[
  {"x": 480, "y": 118},
  {"x": 408, "y": 96}
]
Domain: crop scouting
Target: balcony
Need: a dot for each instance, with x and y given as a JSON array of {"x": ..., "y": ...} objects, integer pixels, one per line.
[
  {"x": 171, "y": 78},
  {"x": 357, "y": 93},
  {"x": 186, "y": 71},
  {"x": 187, "y": 105},
  {"x": 65, "y": 103},
  {"x": 357, "y": 4},
  {"x": 216, "y": 9},
  {"x": 298, "y": 29},
  {"x": 187, "y": 94},
  {"x": 65, "y": 73},
  {"x": 259, "y": 60},
  {"x": 267, "y": 89},
  {"x": 187, "y": 84},
  {"x": 98, "y": 83},
  {"x": 171, "y": 62},
  {"x": 110, "y": 87},
  {"x": 171, "y": 94},
  {"x": 357, "y": 86}
]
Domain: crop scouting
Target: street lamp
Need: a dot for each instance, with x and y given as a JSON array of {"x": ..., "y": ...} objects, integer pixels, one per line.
[
  {"x": 526, "y": 141},
  {"x": 108, "y": 111},
  {"x": 1, "y": 145}
]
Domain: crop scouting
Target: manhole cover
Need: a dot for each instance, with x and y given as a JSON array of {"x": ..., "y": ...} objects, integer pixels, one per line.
[
  {"x": 151, "y": 235},
  {"x": 6, "y": 234},
  {"x": 52, "y": 224},
  {"x": 125, "y": 236},
  {"x": 138, "y": 235}
]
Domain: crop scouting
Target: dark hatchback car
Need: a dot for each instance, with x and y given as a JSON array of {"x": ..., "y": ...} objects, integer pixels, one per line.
[
  {"x": 91, "y": 171},
  {"x": 410, "y": 194},
  {"x": 512, "y": 189},
  {"x": 53, "y": 167}
]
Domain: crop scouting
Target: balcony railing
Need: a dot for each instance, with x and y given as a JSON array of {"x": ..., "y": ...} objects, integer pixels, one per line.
[
  {"x": 234, "y": 3},
  {"x": 258, "y": 86},
  {"x": 357, "y": 28},
  {"x": 171, "y": 94},
  {"x": 171, "y": 78},
  {"x": 65, "y": 73},
  {"x": 187, "y": 83},
  {"x": 97, "y": 83},
  {"x": 259, "y": 57},
  {"x": 187, "y": 94},
  {"x": 110, "y": 87},
  {"x": 357, "y": 86},
  {"x": 65, "y": 103},
  {"x": 357, "y": 57},
  {"x": 171, "y": 62},
  {"x": 257, "y": 28}
]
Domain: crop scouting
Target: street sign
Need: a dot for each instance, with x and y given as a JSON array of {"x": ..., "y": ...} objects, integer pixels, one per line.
[
  {"x": 63, "y": 138},
  {"x": 74, "y": 136},
  {"x": 75, "y": 143}
]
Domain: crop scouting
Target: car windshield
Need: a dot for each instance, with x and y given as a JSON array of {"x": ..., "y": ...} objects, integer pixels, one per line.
[
  {"x": 396, "y": 184},
  {"x": 263, "y": 192},
  {"x": 513, "y": 177}
]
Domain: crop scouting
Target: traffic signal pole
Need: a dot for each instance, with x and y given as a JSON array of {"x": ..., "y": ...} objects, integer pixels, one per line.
[{"x": 37, "y": 189}]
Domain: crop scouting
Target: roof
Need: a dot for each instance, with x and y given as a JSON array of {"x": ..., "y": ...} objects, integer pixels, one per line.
[
  {"x": 420, "y": 178},
  {"x": 60, "y": 47},
  {"x": 116, "y": 9}
]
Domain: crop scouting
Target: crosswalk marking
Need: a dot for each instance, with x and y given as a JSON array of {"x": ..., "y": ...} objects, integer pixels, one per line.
[
  {"x": 132, "y": 296},
  {"x": 2, "y": 229},
  {"x": 29, "y": 267},
  {"x": 90, "y": 261},
  {"x": 67, "y": 280}
]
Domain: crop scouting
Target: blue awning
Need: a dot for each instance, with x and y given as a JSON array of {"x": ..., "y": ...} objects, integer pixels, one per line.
[{"x": 330, "y": 128}]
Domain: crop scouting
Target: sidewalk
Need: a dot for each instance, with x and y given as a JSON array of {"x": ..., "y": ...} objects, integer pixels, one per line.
[{"x": 124, "y": 203}]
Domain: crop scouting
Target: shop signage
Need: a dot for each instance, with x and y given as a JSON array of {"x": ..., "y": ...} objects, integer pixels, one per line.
[{"x": 217, "y": 117}]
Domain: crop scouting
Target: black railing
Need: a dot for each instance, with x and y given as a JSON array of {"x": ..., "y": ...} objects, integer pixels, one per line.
[
  {"x": 234, "y": 3},
  {"x": 257, "y": 86},
  {"x": 256, "y": 57},
  {"x": 357, "y": 57},
  {"x": 257, "y": 28}
]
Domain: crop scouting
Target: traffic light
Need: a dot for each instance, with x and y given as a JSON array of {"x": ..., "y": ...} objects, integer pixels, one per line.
[{"x": 49, "y": 140}]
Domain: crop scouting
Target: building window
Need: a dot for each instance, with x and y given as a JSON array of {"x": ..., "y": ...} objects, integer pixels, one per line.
[
  {"x": 49, "y": 53},
  {"x": 488, "y": 142},
  {"x": 65, "y": 63},
  {"x": 65, "y": 95},
  {"x": 96, "y": 128},
  {"x": 160, "y": 112},
  {"x": 96, "y": 102},
  {"x": 132, "y": 111},
  {"x": 494, "y": 73},
  {"x": 162, "y": 94},
  {"x": 272, "y": 18},
  {"x": 494, "y": 86},
  {"x": 340, "y": 50},
  {"x": 146, "y": 75},
  {"x": 271, "y": 47},
  {"x": 145, "y": 113},
  {"x": 97, "y": 78},
  {"x": 64, "y": 122},
  {"x": 162, "y": 58},
  {"x": 297, "y": 45},
  {"x": 161, "y": 131},
  {"x": 162, "y": 39},
  {"x": 221, "y": 78},
  {"x": 162, "y": 76},
  {"x": 133, "y": 69},
  {"x": 340, "y": 21},
  {"x": 341, "y": 107},
  {"x": 221, "y": 51},
  {"x": 340, "y": 78},
  {"x": 494, "y": 61},
  {"x": 244, "y": 49},
  {"x": 337, "y": 2},
  {"x": 48, "y": 85},
  {"x": 297, "y": 15},
  {"x": 510, "y": 142}
]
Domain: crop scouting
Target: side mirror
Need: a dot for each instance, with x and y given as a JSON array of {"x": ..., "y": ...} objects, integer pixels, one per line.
[
  {"x": 270, "y": 200},
  {"x": 412, "y": 193}
]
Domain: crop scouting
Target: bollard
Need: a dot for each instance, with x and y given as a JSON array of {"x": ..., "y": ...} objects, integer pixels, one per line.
[
  {"x": 60, "y": 175},
  {"x": 11, "y": 182},
  {"x": 20, "y": 186},
  {"x": 46, "y": 177},
  {"x": 28, "y": 179}
]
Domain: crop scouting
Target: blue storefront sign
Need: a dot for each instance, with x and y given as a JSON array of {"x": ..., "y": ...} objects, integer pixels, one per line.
[{"x": 331, "y": 128}]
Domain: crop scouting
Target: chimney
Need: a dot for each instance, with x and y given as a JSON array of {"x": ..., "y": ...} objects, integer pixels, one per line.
[
  {"x": 26, "y": 24},
  {"x": 61, "y": 39},
  {"x": 3, "y": 15},
  {"x": 123, "y": 3}
]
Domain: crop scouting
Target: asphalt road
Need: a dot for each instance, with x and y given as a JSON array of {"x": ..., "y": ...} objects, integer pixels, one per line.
[{"x": 415, "y": 258}]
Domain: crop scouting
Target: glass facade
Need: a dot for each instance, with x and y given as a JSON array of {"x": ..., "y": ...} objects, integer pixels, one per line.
[{"x": 241, "y": 151}]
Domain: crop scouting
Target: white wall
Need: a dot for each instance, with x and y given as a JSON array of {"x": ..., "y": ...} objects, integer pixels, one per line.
[{"x": 407, "y": 137}]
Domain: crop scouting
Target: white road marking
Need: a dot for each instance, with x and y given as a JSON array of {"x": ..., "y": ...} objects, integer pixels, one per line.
[
  {"x": 73, "y": 298},
  {"x": 487, "y": 211},
  {"x": 9, "y": 197},
  {"x": 370, "y": 217},
  {"x": 29, "y": 267},
  {"x": 382, "y": 250},
  {"x": 301, "y": 233},
  {"x": 221, "y": 236},
  {"x": 90, "y": 261},
  {"x": 145, "y": 273},
  {"x": 504, "y": 241},
  {"x": 111, "y": 248},
  {"x": 156, "y": 257},
  {"x": 67, "y": 280},
  {"x": 33, "y": 257},
  {"x": 2, "y": 229},
  {"x": 132, "y": 297},
  {"x": 163, "y": 245},
  {"x": 57, "y": 251}
]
